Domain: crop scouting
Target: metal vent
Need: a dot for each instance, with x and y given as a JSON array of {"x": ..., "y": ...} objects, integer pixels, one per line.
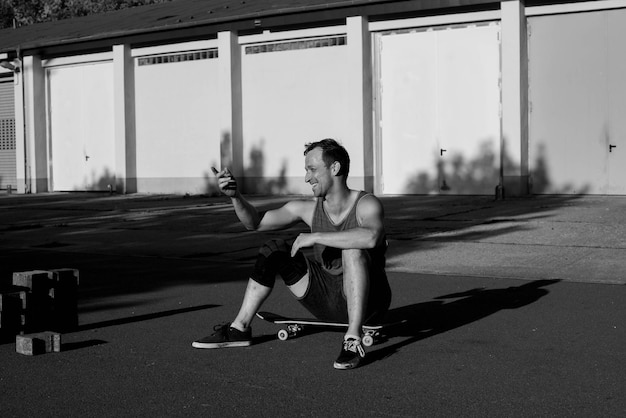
[
  {"x": 7, "y": 134},
  {"x": 179, "y": 57},
  {"x": 295, "y": 45}
]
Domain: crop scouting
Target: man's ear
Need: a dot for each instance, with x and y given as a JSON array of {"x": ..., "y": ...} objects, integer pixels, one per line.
[{"x": 335, "y": 168}]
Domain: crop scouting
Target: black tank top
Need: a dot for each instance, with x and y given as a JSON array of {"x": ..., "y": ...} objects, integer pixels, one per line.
[{"x": 330, "y": 257}]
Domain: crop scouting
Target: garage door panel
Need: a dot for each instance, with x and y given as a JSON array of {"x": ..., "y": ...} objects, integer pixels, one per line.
[
  {"x": 439, "y": 118},
  {"x": 81, "y": 127},
  {"x": 616, "y": 137},
  {"x": 294, "y": 92},
  {"x": 178, "y": 136},
  {"x": 577, "y": 96}
]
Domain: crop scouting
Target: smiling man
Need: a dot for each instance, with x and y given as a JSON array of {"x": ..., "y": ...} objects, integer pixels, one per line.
[{"x": 344, "y": 281}]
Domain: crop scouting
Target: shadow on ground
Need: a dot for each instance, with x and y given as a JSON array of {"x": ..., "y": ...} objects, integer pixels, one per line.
[
  {"x": 418, "y": 218},
  {"x": 448, "y": 312},
  {"x": 75, "y": 230},
  {"x": 145, "y": 317}
]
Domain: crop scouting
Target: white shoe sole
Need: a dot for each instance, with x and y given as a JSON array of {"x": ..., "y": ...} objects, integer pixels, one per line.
[
  {"x": 197, "y": 344},
  {"x": 340, "y": 366}
]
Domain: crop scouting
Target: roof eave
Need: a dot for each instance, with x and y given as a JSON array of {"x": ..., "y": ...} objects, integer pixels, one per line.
[{"x": 179, "y": 31}]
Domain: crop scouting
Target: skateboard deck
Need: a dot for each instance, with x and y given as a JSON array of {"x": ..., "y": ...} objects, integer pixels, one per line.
[{"x": 293, "y": 326}]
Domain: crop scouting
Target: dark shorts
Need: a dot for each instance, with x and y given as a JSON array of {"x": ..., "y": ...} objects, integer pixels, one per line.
[{"x": 325, "y": 298}]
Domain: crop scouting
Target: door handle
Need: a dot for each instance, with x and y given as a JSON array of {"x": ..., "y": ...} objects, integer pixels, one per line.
[
  {"x": 441, "y": 151},
  {"x": 611, "y": 147}
]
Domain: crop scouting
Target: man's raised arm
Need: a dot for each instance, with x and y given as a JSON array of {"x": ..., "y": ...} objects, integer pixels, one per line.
[{"x": 274, "y": 219}]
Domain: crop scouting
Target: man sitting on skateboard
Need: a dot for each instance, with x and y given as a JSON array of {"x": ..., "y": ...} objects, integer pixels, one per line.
[{"x": 346, "y": 279}]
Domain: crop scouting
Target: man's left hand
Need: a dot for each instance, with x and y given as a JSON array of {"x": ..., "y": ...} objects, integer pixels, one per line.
[{"x": 302, "y": 241}]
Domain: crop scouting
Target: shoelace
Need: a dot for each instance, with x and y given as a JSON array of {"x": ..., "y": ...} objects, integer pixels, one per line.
[{"x": 354, "y": 346}]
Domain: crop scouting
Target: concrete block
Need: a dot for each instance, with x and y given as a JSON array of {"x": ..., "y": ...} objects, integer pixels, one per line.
[
  {"x": 12, "y": 312},
  {"x": 10, "y": 322},
  {"x": 66, "y": 277},
  {"x": 12, "y": 319},
  {"x": 50, "y": 301},
  {"x": 38, "y": 343},
  {"x": 64, "y": 296},
  {"x": 12, "y": 300},
  {"x": 38, "y": 281},
  {"x": 38, "y": 312}
]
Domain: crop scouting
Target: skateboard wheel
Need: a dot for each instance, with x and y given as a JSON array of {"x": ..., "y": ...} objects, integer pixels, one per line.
[
  {"x": 368, "y": 341},
  {"x": 283, "y": 335}
]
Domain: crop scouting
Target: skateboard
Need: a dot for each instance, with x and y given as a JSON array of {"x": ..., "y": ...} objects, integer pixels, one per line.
[{"x": 293, "y": 326}]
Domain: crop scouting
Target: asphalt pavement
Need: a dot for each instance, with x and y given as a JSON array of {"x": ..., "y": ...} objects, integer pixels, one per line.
[{"x": 514, "y": 308}]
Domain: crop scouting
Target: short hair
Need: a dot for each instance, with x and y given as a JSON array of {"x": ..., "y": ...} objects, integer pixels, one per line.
[{"x": 331, "y": 151}]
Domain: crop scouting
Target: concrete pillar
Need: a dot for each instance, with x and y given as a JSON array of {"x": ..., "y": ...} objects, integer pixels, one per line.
[
  {"x": 514, "y": 49},
  {"x": 229, "y": 94},
  {"x": 20, "y": 134},
  {"x": 360, "y": 59},
  {"x": 124, "y": 119},
  {"x": 34, "y": 176}
]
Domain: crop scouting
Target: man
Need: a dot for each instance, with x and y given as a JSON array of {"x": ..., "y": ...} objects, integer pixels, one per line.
[{"x": 345, "y": 281}]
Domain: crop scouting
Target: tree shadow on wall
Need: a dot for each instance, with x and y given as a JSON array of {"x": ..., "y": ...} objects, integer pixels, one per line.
[
  {"x": 459, "y": 174},
  {"x": 480, "y": 175},
  {"x": 441, "y": 219},
  {"x": 105, "y": 182},
  {"x": 211, "y": 187},
  {"x": 541, "y": 182},
  {"x": 255, "y": 180}
]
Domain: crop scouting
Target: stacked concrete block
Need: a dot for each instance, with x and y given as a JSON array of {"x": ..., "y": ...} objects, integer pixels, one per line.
[
  {"x": 38, "y": 343},
  {"x": 64, "y": 296},
  {"x": 40, "y": 300},
  {"x": 12, "y": 312},
  {"x": 39, "y": 303},
  {"x": 38, "y": 306}
]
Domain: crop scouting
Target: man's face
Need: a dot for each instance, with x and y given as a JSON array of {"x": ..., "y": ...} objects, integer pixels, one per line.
[{"x": 318, "y": 175}]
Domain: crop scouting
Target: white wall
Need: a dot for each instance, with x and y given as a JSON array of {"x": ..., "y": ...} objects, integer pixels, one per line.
[{"x": 190, "y": 115}]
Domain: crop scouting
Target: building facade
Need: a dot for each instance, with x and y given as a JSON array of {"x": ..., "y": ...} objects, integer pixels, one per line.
[{"x": 448, "y": 97}]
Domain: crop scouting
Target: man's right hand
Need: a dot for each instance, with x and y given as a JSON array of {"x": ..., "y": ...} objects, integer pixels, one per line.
[{"x": 226, "y": 181}]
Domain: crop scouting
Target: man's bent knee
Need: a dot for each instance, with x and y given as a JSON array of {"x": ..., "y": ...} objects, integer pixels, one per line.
[{"x": 274, "y": 259}]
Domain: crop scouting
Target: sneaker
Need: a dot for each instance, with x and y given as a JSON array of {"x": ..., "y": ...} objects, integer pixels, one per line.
[
  {"x": 351, "y": 356},
  {"x": 225, "y": 336}
]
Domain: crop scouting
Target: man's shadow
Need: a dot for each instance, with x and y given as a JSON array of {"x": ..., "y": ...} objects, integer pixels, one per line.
[{"x": 424, "y": 320}]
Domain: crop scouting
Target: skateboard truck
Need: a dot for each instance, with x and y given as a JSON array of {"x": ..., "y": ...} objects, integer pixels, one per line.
[{"x": 291, "y": 331}]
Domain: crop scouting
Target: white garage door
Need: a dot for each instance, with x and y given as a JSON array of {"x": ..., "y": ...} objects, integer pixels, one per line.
[
  {"x": 577, "y": 76},
  {"x": 178, "y": 136},
  {"x": 81, "y": 127},
  {"x": 294, "y": 92},
  {"x": 439, "y": 121}
]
